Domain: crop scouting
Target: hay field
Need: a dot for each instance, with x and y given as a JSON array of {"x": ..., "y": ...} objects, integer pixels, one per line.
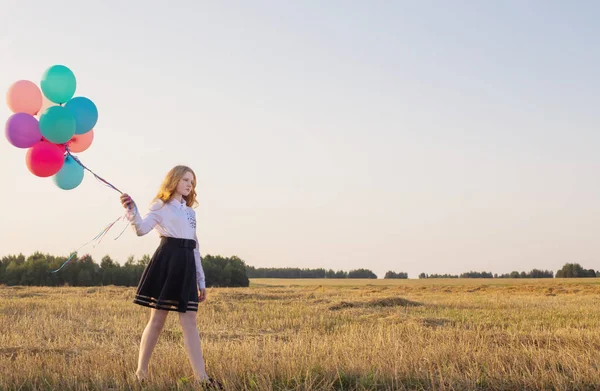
[{"x": 315, "y": 335}]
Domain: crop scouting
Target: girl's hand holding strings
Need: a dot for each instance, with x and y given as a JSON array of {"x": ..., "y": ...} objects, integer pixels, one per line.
[{"x": 126, "y": 201}]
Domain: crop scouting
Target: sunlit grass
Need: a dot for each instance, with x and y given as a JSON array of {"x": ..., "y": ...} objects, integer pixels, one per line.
[{"x": 315, "y": 335}]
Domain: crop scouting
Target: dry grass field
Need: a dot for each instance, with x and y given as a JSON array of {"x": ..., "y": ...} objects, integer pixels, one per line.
[{"x": 315, "y": 335}]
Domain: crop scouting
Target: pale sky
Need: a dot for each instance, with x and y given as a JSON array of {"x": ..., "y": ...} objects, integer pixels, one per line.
[{"x": 416, "y": 136}]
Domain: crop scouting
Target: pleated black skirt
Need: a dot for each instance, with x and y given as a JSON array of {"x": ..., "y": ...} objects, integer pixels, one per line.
[{"x": 169, "y": 280}]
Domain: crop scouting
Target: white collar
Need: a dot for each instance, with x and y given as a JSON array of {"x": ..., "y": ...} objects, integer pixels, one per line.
[{"x": 177, "y": 203}]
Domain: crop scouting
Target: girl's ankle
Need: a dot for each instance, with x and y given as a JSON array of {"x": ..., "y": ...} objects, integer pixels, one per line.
[{"x": 141, "y": 374}]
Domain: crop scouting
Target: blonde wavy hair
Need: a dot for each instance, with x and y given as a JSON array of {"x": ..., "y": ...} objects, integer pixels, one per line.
[{"x": 169, "y": 185}]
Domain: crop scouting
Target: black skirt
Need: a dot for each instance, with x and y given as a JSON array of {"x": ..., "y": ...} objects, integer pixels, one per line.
[{"x": 169, "y": 280}]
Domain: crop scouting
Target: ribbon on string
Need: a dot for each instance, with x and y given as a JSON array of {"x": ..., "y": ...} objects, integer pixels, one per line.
[
  {"x": 93, "y": 173},
  {"x": 102, "y": 233},
  {"x": 98, "y": 238}
]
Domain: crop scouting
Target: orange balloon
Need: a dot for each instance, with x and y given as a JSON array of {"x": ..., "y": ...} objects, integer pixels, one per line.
[
  {"x": 81, "y": 142},
  {"x": 24, "y": 97}
]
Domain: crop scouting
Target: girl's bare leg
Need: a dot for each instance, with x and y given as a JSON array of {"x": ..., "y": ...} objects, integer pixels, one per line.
[
  {"x": 149, "y": 340},
  {"x": 191, "y": 339}
]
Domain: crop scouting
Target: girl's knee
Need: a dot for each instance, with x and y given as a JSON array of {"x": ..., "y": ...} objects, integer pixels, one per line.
[
  {"x": 157, "y": 324},
  {"x": 157, "y": 320},
  {"x": 187, "y": 318}
]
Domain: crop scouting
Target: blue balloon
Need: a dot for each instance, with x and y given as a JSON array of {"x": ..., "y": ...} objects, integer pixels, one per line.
[
  {"x": 85, "y": 113},
  {"x": 58, "y": 84},
  {"x": 70, "y": 175},
  {"x": 57, "y": 124}
]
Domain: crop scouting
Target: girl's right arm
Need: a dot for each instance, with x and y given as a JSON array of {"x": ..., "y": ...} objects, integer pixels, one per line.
[{"x": 142, "y": 225}]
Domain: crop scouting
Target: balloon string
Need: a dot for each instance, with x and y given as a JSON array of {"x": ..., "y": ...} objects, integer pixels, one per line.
[
  {"x": 97, "y": 238},
  {"x": 93, "y": 173}
]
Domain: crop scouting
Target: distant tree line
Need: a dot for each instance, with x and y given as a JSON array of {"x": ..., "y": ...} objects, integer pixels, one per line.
[
  {"x": 569, "y": 270},
  {"x": 574, "y": 270},
  {"x": 224, "y": 271},
  {"x": 220, "y": 271},
  {"x": 391, "y": 274},
  {"x": 477, "y": 275},
  {"x": 425, "y": 275},
  {"x": 470, "y": 274},
  {"x": 535, "y": 273},
  {"x": 83, "y": 271},
  {"x": 294, "y": 272}
]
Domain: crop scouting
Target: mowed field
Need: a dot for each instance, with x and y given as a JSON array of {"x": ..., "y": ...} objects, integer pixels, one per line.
[{"x": 282, "y": 334}]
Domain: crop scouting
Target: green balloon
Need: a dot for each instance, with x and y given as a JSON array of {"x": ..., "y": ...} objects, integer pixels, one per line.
[
  {"x": 58, "y": 84},
  {"x": 70, "y": 175},
  {"x": 57, "y": 124}
]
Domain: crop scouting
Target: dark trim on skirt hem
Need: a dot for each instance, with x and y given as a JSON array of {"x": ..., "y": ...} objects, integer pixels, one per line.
[{"x": 166, "y": 305}]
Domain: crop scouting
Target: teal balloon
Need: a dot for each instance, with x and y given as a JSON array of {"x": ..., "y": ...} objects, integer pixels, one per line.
[
  {"x": 85, "y": 113},
  {"x": 70, "y": 175},
  {"x": 58, "y": 84},
  {"x": 57, "y": 124}
]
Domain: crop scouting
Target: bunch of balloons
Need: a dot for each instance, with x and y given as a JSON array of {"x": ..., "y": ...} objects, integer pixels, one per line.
[{"x": 50, "y": 123}]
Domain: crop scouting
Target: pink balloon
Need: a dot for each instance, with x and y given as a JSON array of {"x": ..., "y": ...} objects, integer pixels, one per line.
[
  {"x": 22, "y": 130},
  {"x": 81, "y": 142},
  {"x": 24, "y": 97},
  {"x": 63, "y": 147},
  {"x": 44, "y": 159}
]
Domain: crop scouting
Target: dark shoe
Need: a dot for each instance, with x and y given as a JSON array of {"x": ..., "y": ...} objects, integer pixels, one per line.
[
  {"x": 142, "y": 380},
  {"x": 213, "y": 384}
]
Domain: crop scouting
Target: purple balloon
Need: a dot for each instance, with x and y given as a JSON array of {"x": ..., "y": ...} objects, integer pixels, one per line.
[{"x": 23, "y": 130}]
